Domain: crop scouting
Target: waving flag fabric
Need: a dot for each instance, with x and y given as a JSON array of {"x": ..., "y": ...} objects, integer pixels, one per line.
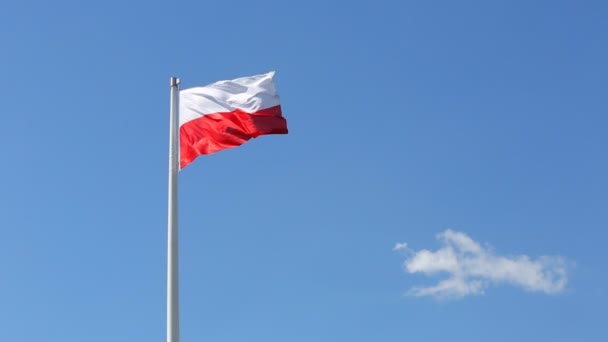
[{"x": 226, "y": 114}]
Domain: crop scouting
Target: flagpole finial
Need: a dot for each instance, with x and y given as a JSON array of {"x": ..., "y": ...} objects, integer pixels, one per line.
[{"x": 174, "y": 81}]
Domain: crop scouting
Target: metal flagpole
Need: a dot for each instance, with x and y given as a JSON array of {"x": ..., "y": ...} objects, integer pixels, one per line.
[{"x": 172, "y": 241}]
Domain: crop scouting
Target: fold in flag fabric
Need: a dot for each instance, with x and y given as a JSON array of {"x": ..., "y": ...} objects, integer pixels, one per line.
[{"x": 226, "y": 114}]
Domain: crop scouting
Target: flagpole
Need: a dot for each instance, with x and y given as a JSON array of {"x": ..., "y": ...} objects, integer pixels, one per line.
[{"x": 172, "y": 241}]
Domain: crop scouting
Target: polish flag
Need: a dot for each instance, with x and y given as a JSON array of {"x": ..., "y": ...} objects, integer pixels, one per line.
[{"x": 226, "y": 114}]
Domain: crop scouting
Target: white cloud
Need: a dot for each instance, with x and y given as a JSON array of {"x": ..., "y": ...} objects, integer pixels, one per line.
[
  {"x": 400, "y": 246},
  {"x": 471, "y": 268}
]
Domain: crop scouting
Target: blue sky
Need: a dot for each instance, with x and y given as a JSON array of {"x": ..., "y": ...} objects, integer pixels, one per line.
[{"x": 416, "y": 129}]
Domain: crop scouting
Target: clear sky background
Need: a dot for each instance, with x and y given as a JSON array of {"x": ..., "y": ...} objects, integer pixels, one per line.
[{"x": 407, "y": 118}]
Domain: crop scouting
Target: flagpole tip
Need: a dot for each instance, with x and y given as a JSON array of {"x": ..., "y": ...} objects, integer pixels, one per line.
[{"x": 174, "y": 81}]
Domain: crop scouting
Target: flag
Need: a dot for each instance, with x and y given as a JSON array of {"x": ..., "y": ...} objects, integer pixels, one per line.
[{"x": 226, "y": 114}]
